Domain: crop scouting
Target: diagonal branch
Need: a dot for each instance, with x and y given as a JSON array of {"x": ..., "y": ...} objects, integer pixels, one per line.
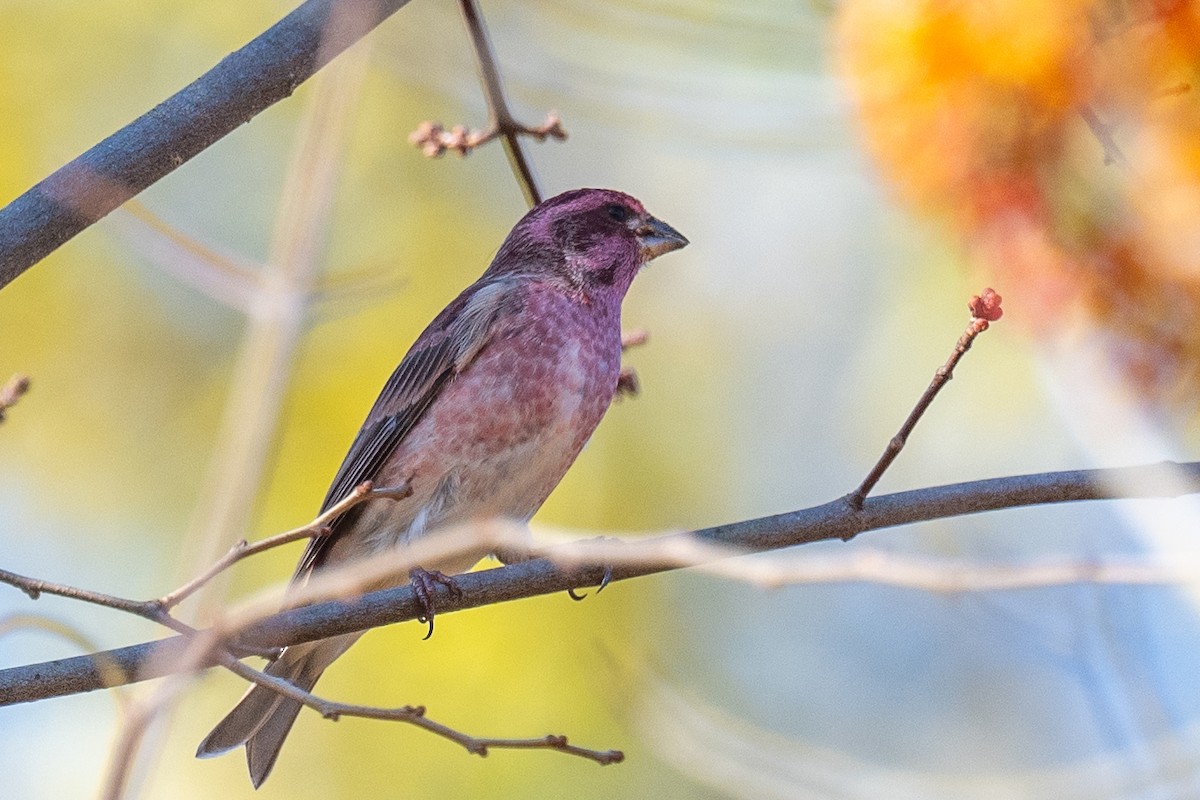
[
  {"x": 837, "y": 519},
  {"x": 985, "y": 309},
  {"x": 501, "y": 118},
  {"x": 243, "y": 549},
  {"x": 260, "y": 74},
  {"x": 434, "y": 139}
]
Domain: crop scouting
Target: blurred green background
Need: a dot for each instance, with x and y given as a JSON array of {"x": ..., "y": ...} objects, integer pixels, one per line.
[{"x": 787, "y": 343}]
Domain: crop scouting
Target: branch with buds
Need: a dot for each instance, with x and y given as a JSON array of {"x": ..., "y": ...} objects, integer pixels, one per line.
[{"x": 434, "y": 139}]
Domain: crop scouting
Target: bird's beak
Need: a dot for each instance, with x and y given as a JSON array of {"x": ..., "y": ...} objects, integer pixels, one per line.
[{"x": 656, "y": 237}]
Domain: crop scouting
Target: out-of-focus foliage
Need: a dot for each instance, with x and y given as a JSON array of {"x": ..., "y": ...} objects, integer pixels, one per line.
[{"x": 998, "y": 117}]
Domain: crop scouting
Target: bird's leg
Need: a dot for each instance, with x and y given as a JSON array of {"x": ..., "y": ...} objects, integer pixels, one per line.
[{"x": 425, "y": 583}]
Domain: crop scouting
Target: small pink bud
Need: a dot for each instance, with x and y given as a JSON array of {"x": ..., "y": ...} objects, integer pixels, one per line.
[{"x": 986, "y": 306}]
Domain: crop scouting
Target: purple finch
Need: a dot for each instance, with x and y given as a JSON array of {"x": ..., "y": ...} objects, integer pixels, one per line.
[{"x": 482, "y": 418}]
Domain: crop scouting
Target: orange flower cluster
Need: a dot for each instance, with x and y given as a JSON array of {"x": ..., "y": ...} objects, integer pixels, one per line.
[{"x": 1062, "y": 141}]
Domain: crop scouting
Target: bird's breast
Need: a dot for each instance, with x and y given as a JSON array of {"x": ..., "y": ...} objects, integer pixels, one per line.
[{"x": 504, "y": 431}]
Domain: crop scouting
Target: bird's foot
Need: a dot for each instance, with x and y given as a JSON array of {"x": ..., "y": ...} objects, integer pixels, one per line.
[
  {"x": 604, "y": 581},
  {"x": 425, "y": 583}
]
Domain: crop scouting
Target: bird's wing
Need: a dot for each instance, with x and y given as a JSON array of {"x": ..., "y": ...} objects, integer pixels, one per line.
[{"x": 445, "y": 349}]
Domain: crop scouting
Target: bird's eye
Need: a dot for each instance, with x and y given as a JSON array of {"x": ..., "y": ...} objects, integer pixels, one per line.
[{"x": 618, "y": 212}]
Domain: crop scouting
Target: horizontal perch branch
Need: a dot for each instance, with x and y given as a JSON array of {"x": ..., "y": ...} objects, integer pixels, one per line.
[{"x": 833, "y": 520}]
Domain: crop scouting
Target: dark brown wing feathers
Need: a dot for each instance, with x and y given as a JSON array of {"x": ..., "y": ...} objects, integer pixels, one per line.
[{"x": 446, "y": 347}]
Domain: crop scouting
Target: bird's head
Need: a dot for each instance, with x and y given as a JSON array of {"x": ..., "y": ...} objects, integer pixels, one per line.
[{"x": 594, "y": 239}]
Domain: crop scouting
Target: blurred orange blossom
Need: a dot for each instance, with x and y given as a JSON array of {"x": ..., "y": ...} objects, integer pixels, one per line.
[{"x": 1061, "y": 142}]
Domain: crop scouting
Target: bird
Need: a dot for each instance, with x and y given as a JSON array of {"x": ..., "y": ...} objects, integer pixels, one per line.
[{"x": 481, "y": 419}]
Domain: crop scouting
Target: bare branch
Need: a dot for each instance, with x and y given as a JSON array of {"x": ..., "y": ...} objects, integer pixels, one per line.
[
  {"x": 833, "y": 520},
  {"x": 984, "y": 309},
  {"x": 36, "y": 587},
  {"x": 415, "y": 715},
  {"x": 318, "y": 527},
  {"x": 500, "y": 116},
  {"x": 261, "y": 73},
  {"x": 434, "y": 140},
  {"x": 159, "y": 609}
]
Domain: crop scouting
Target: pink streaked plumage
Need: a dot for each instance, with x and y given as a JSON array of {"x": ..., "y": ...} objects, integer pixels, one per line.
[
  {"x": 482, "y": 417},
  {"x": 498, "y": 447}
]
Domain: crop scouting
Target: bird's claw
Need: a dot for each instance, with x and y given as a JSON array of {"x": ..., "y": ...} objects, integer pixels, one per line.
[
  {"x": 604, "y": 581},
  {"x": 424, "y": 583}
]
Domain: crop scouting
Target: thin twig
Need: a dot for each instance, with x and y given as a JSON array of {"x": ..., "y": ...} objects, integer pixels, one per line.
[
  {"x": 315, "y": 529},
  {"x": 208, "y": 647},
  {"x": 11, "y": 392},
  {"x": 985, "y": 308},
  {"x": 147, "y": 609},
  {"x": 434, "y": 140},
  {"x": 415, "y": 715},
  {"x": 500, "y": 116},
  {"x": 833, "y": 520},
  {"x": 158, "y": 610}
]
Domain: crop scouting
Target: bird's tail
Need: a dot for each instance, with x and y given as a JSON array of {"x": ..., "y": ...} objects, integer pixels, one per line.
[{"x": 262, "y": 718}]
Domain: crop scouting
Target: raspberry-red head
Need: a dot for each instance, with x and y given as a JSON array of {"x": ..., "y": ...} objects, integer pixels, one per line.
[{"x": 595, "y": 240}]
